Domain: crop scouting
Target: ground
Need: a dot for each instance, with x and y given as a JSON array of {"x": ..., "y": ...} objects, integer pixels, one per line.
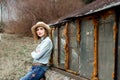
[{"x": 15, "y": 56}]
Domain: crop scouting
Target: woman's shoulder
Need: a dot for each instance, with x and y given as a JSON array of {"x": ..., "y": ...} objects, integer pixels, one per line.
[{"x": 48, "y": 39}]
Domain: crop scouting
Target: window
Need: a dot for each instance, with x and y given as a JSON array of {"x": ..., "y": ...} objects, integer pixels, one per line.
[{"x": 67, "y": 52}]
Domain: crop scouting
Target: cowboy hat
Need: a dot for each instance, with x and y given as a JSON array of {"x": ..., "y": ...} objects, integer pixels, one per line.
[{"x": 39, "y": 24}]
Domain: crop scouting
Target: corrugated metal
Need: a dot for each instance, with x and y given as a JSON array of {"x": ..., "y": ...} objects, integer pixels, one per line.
[
  {"x": 96, "y": 6},
  {"x": 97, "y": 37}
]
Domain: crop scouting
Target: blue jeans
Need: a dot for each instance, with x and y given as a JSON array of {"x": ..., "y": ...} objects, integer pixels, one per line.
[{"x": 36, "y": 73}]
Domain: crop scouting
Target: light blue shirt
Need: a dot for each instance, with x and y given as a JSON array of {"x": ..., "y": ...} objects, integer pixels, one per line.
[{"x": 43, "y": 51}]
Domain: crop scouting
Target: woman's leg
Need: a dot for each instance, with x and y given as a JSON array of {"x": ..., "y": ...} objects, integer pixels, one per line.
[
  {"x": 38, "y": 73},
  {"x": 35, "y": 73},
  {"x": 27, "y": 76}
]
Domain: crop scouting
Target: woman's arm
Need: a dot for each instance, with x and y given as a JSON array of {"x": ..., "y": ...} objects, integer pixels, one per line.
[{"x": 41, "y": 50}]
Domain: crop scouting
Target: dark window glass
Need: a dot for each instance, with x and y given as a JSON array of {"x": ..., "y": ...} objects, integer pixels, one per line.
[
  {"x": 62, "y": 39},
  {"x": 55, "y": 50},
  {"x": 73, "y": 47}
]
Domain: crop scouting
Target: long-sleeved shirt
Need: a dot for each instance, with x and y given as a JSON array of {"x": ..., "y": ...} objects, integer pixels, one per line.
[{"x": 43, "y": 51}]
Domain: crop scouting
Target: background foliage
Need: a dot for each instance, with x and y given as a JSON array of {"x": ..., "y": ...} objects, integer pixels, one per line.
[{"x": 20, "y": 15}]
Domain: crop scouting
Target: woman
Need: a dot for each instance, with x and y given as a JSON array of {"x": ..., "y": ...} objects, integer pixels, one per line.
[{"x": 41, "y": 54}]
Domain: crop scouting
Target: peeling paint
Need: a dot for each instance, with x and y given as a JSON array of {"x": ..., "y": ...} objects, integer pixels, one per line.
[
  {"x": 106, "y": 14},
  {"x": 72, "y": 72},
  {"x": 78, "y": 30},
  {"x": 52, "y": 32},
  {"x": 113, "y": 75},
  {"x": 115, "y": 30},
  {"x": 51, "y": 35},
  {"x": 95, "y": 63},
  {"x": 66, "y": 46}
]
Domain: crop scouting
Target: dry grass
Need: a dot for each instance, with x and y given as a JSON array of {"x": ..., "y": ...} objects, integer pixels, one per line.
[{"x": 15, "y": 57}]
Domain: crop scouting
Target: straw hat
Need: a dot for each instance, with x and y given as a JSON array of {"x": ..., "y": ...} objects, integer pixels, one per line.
[{"x": 39, "y": 24}]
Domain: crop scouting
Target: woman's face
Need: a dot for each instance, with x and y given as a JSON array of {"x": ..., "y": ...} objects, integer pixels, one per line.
[{"x": 40, "y": 31}]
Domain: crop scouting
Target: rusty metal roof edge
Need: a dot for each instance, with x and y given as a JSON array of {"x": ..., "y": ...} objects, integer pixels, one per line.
[
  {"x": 113, "y": 4},
  {"x": 58, "y": 23}
]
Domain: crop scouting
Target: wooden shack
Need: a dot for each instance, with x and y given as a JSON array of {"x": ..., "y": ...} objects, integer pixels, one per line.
[{"x": 87, "y": 42}]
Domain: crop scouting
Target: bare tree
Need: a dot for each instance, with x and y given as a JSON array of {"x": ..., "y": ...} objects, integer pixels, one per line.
[
  {"x": 65, "y": 7},
  {"x": 28, "y": 12},
  {"x": 2, "y": 7}
]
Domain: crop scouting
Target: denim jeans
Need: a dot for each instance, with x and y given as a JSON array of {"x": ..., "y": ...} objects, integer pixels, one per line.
[{"x": 36, "y": 73}]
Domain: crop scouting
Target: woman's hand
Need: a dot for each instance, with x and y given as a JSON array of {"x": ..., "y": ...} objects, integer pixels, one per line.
[{"x": 37, "y": 51}]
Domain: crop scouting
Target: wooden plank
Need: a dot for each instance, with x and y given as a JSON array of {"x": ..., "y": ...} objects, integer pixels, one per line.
[
  {"x": 95, "y": 70},
  {"x": 73, "y": 76},
  {"x": 66, "y": 47}
]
